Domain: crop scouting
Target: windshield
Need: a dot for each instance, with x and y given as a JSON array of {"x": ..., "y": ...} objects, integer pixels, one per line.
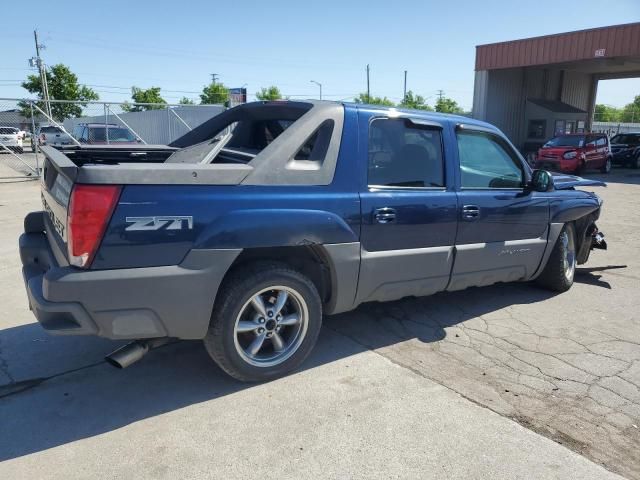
[
  {"x": 116, "y": 134},
  {"x": 566, "y": 141},
  {"x": 8, "y": 130},
  {"x": 626, "y": 138}
]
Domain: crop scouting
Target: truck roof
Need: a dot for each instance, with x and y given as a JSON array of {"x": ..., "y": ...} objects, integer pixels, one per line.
[{"x": 427, "y": 115}]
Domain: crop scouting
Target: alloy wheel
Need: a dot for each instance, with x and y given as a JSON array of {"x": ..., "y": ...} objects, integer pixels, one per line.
[
  {"x": 271, "y": 326},
  {"x": 569, "y": 255}
]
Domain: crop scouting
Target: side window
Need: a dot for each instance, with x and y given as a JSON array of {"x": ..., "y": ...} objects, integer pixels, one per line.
[
  {"x": 85, "y": 134},
  {"x": 316, "y": 146},
  {"x": 404, "y": 155},
  {"x": 487, "y": 161},
  {"x": 601, "y": 142}
]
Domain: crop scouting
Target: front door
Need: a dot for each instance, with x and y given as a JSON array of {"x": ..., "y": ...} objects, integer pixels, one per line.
[
  {"x": 502, "y": 230},
  {"x": 409, "y": 214}
]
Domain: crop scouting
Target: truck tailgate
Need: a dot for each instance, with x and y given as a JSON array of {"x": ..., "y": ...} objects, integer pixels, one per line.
[{"x": 58, "y": 175}]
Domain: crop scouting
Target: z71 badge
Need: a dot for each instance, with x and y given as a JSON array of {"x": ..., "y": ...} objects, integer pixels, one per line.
[{"x": 159, "y": 223}]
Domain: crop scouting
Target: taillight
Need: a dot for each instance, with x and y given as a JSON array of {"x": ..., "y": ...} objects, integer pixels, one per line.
[{"x": 90, "y": 210}]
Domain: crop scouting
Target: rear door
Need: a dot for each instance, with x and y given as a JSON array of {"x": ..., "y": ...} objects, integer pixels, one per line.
[
  {"x": 408, "y": 209},
  {"x": 591, "y": 151},
  {"x": 602, "y": 146},
  {"x": 502, "y": 227}
]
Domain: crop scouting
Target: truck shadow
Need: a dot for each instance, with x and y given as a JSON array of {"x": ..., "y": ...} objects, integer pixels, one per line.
[{"x": 73, "y": 395}]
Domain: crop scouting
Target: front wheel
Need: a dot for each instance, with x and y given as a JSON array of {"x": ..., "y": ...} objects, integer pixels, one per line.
[
  {"x": 606, "y": 168},
  {"x": 560, "y": 269},
  {"x": 265, "y": 322}
]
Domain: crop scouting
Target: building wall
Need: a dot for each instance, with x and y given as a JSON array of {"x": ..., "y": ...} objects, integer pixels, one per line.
[
  {"x": 504, "y": 101},
  {"x": 500, "y": 96},
  {"x": 577, "y": 89},
  {"x": 158, "y": 127}
]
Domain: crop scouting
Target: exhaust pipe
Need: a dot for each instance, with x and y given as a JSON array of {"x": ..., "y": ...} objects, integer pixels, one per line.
[{"x": 132, "y": 352}]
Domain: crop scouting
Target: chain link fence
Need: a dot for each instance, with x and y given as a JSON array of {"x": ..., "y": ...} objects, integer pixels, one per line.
[{"x": 26, "y": 124}]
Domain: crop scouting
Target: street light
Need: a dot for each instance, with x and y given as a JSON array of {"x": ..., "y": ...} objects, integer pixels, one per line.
[{"x": 319, "y": 85}]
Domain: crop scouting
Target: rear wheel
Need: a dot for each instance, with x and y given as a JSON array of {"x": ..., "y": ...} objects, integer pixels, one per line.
[
  {"x": 560, "y": 269},
  {"x": 265, "y": 323},
  {"x": 606, "y": 168},
  {"x": 635, "y": 163}
]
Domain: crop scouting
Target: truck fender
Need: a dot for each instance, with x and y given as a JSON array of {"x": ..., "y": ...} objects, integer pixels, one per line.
[
  {"x": 256, "y": 228},
  {"x": 573, "y": 209}
]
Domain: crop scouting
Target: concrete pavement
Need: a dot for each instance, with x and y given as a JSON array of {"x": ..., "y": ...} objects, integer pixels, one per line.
[{"x": 423, "y": 388}]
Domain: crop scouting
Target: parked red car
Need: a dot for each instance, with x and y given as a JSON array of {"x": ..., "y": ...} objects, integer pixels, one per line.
[{"x": 573, "y": 153}]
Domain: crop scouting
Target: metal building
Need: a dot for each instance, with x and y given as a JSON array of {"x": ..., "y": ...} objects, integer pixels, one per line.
[{"x": 536, "y": 87}]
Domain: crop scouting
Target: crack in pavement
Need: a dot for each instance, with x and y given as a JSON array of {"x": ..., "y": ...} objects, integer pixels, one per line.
[
  {"x": 14, "y": 387},
  {"x": 577, "y": 386}
]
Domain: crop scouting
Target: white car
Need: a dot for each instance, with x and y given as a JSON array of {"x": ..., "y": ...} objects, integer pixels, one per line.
[{"x": 10, "y": 138}]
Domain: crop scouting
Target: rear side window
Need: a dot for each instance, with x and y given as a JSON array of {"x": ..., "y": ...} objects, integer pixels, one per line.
[
  {"x": 316, "y": 146},
  {"x": 402, "y": 154},
  {"x": 50, "y": 130},
  {"x": 8, "y": 131},
  {"x": 487, "y": 161},
  {"x": 601, "y": 142}
]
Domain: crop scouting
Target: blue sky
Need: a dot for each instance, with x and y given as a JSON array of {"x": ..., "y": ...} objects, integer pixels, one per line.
[{"x": 177, "y": 45}]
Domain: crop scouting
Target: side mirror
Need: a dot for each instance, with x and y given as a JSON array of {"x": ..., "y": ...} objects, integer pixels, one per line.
[{"x": 541, "y": 181}]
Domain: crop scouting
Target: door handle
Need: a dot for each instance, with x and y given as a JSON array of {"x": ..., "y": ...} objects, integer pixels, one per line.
[
  {"x": 470, "y": 212},
  {"x": 385, "y": 215}
]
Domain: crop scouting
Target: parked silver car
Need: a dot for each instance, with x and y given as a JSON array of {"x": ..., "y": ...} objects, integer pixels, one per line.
[
  {"x": 10, "y": 138},
  {"x": 52, "y": 135}
]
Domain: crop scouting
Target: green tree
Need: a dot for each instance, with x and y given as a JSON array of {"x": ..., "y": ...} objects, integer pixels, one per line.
[
  {"x": 631, "y": 111},
  {"x": 215, "y": 93},
  {"x": 63, "y": 85},
  {"x": 140, "y": 95},
  {"x": 186, "y": 101},
  {"x": 371, "y": 100},
  {"x": 607, "y": 113},
  {"x": 416, "y": 102},
  {"x": 269, "y": 93},
  {"x": 448, "y": 105}
]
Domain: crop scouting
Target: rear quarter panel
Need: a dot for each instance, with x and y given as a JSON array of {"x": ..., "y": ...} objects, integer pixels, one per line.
[
  {"x": 237, "y": 216},
  {"x": 225, "y": 217}
]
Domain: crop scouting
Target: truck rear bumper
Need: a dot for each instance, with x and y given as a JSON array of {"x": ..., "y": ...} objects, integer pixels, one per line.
[{"x": 174, "y": 301}]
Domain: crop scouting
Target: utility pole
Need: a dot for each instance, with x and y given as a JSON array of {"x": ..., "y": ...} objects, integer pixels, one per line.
[
  {"x": 43, "y": 74},
  {"x": 368, "y": 91},
  {"x": 319, "y": 85},
  {"x": 440, "y": 95},
  {"x": 404, "y": 97},
  {"x": 213, "y": 77}
]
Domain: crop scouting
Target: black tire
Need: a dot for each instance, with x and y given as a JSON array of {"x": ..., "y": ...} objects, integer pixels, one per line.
[
  {"x": 582, "y": 167},
  {"x": 555, "y": 276},
  {"x": 635, "y": 163},
  {"x": 606, "y": 168},
  {"x": 235, "y": 295},
  {"x": 20, "y": 150}
]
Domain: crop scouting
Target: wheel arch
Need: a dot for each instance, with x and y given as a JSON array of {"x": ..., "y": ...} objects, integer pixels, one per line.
[{"x": 333, "y": 269}]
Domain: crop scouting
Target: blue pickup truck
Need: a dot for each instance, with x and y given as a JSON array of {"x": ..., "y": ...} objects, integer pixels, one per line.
[{"x": 248, "y": 229}]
